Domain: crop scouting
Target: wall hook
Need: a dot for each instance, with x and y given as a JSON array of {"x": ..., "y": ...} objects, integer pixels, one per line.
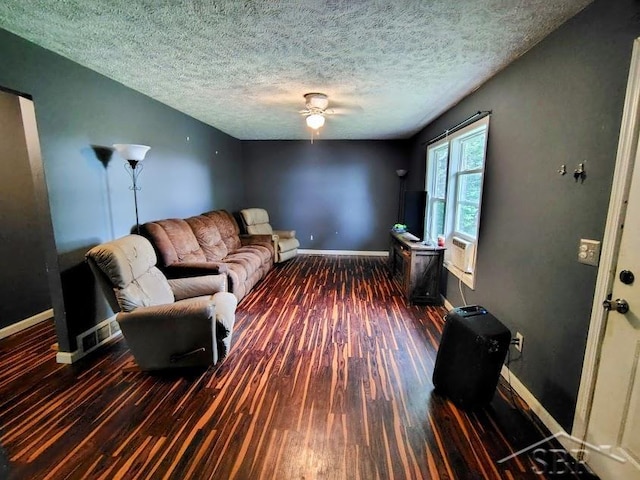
[
  {"x": 562, "y": 170},
  {"x": 579, "y": 173}
]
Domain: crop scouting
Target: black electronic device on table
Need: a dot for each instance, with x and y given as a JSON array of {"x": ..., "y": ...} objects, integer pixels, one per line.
[{"x": 414, "y": 210}]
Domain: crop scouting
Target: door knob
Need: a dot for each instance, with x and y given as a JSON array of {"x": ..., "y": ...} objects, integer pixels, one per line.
[{"x": 619, "y": 305}]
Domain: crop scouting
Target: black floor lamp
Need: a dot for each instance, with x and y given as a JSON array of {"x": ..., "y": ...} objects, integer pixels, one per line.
[{"x": 133, "y": 154}]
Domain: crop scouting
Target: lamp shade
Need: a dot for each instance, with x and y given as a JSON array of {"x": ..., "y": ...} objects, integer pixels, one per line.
[
  {"x": 131, "y": 152},
  {"x": 315, "y": 121}
]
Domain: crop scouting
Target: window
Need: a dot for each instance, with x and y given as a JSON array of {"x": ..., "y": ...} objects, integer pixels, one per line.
[
  {"x": 437, "y": 188},
  {"x": 455, "y": 174}
]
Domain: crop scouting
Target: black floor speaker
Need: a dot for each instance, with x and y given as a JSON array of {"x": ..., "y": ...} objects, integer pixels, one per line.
[{"x": 472, "y": 350}]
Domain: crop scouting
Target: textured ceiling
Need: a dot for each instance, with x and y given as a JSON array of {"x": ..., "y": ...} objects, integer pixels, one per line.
[{"x": 243, "y": 66}]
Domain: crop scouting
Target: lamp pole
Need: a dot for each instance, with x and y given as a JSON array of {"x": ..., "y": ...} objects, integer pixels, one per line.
[
  {"x": 134, "y": 171},
  {"x": 133, "y": 154}
]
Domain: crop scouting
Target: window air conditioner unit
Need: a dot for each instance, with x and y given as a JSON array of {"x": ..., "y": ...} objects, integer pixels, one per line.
[{"x": 462, "y": 254}]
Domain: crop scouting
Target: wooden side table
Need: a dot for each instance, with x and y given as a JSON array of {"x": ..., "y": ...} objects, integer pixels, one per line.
[{"x": 418, "y": 268}]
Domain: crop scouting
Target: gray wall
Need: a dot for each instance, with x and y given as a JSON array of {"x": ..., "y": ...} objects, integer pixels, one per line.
[
  {"x": 90, "y": 200},
  {"x": 21, "y": 250},
  {"x": 561, "y": 103},
  {"x": 344, "y": 193}
]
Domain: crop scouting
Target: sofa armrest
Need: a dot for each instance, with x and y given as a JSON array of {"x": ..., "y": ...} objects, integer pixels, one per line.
[
  {"x": 247, "y": 239},
  {"x": 194, "y": 269},
  {"x": 285, "y": 233},
  {"x": 189, "y": 287}
]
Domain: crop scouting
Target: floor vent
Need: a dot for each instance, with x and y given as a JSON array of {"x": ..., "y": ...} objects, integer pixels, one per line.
[{"x": 98, "y": 335}]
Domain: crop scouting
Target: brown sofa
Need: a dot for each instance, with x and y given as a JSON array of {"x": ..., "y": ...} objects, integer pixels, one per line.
[{"x": 211, "y": 243}]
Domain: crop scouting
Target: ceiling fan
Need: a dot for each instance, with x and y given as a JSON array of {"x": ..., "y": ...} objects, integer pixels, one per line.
[{"x": 316, "y": 107}]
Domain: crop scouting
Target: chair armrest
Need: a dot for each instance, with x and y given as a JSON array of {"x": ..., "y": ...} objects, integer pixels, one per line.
[
  {"x": 157, "y": 315},
  {"x": 180, "y": 334},
  {"x": 285, "y": 233},
  {"x": 194, "y": 269},
  {"x": 225, "y": 319},
  {"x": 247, "y": 239},
  {"x": 189, "y": 287},
  {"x": 226, "y": 304}
]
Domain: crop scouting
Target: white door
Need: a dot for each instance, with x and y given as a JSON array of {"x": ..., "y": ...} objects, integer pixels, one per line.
[{"x": 613, "y": 432}]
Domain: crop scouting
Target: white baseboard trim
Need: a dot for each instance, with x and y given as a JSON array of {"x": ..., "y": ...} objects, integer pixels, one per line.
[
  {"x": 26, "y": 323},
  {"x": 357, "y": 253},
  {"x": 69, "y": 357},
  {"x": 536, "y": 407}
]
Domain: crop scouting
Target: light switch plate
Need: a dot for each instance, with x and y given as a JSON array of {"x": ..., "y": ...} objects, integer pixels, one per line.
[{"x": 589, "y": 252}]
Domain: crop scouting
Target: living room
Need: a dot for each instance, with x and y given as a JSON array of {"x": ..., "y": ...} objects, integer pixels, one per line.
[{"x": 559, "y": 103}]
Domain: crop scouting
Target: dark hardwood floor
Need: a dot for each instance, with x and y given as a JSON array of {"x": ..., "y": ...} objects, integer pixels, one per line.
[{"x": 329, "y": 377}]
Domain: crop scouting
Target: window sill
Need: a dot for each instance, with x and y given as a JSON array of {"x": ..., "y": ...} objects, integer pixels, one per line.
[{"x": 469, "y": 279}]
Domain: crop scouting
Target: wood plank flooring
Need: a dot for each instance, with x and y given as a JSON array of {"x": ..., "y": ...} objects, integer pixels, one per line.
[{"x": 329, "y": 377}]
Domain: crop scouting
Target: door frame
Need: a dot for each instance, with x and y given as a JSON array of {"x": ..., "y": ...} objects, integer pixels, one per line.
[
  {"x": 625, "y": 160},
  {"x": 45, "y": 221}
]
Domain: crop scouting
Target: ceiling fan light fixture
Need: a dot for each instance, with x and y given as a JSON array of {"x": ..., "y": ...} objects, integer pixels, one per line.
[
  {"x": 315, "y": 121},
  {"x": 316, "y": 100}
]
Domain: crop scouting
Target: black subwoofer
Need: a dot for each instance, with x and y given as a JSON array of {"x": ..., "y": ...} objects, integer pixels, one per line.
[{"x": 472, "y": 350}]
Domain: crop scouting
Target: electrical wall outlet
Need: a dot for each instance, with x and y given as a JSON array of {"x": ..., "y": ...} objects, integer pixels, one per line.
[
  {"x": 519, "y": 341},
  {"x": 589, "y": 252}
]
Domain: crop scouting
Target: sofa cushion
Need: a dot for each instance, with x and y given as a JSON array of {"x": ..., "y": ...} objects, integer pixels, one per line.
[
  {"x": 175, "y": 241},
  {"x": 228, "y": 228},
  {"x": 243, "y": 262},
  {"x": 208, "y": 236},
  {"x": 150, "y": 288},
  {"x": 263, "y": 251}
]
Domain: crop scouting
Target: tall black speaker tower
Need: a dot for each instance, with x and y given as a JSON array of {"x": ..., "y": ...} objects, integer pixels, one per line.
[{"x": 472, "y": 350}]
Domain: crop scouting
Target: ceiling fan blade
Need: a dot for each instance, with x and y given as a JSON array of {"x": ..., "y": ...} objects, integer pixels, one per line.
[
  {"x": 345, "y": 107},
  {"x": 338, "y": 111}
]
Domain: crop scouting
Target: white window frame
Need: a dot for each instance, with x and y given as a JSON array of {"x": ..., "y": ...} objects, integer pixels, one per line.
[
  {"x": 430, "y": 232},
  {"x": 454, "y": 175}
]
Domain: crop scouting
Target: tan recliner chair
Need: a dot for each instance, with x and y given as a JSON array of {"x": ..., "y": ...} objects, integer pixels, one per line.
[
  {"x": 285, "y": 243},
  {"x": 184, "y": 322}
]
